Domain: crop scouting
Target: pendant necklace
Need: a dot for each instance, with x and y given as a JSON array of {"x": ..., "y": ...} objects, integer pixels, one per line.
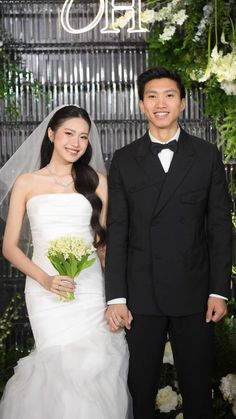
[{"x": 60, "y": 183}]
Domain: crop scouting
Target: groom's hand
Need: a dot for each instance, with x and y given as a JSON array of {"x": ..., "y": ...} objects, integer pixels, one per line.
[
  {"x": 118, "y": 316},
  {"x": 216, "y": 309}
]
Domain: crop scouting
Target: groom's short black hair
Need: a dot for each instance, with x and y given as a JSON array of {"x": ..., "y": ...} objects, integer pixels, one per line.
[{"x": 159, "y": 73}]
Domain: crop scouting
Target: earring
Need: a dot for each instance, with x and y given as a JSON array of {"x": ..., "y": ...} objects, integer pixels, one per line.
[{"x": 51, "y": 140}]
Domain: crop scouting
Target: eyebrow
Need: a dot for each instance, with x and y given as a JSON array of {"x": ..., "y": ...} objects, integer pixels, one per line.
[
  {"x": 74, "y": 131},
  {"x": 163, "y": 91}
]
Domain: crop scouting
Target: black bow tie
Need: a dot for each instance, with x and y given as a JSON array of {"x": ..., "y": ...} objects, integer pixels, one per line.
[{"x": 157, "y": 147}]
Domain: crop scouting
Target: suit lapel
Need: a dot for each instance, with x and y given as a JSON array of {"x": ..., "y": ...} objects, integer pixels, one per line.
[
  {"x": 179, "y": 168},
  {"x": 149, "y": 163}
]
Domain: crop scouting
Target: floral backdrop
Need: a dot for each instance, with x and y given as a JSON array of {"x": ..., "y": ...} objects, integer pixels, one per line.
[{"x": 198, "y": 40}]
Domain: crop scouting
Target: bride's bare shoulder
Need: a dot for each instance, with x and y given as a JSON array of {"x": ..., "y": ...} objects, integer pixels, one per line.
[{"x": 27, "y": 180}]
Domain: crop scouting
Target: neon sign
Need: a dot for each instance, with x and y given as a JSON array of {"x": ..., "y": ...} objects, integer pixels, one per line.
[{"x": 109, "y": 10}]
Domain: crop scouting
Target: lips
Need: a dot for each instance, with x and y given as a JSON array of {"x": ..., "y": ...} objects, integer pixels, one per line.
[
  {"x": 72, "y": 150},
  {"x": 161, "y": 114}
]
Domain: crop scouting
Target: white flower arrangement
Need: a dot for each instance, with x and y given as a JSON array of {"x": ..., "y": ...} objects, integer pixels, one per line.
[
  {"x": 148, "y": 16},
  {"x": 172, "y": 15},
  {"x": 228, "y": 390},
  {"x": 207, "y": 12},
  {"x": 223, "y": 67},
  {"x": 166, "y": 399},
  {"x": 69, "y": 255},
  {"x": 122, "y": 20},
  {"x": 228, "y": 387}
]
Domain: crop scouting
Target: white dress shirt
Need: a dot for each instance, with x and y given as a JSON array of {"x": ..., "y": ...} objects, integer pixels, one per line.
[{"x": 165, "y": 157}]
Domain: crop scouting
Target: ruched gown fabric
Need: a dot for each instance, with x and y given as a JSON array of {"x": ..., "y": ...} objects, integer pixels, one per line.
[{"x": 78, "y": 369}]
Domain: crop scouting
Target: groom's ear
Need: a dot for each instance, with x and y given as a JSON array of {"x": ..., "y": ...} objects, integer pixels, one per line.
[
  {"x": 183, "y": 104},
  {"x": 141, "y": 107}
]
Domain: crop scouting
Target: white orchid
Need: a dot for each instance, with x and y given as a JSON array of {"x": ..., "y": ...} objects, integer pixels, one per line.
[
  {"x": 229, "y": 87},
  {"x": 179, "y": 17},
  {"x": 167, "y": 33},
  {"x": 223, "y": 67},
  {"x": 122, "y": 21},
  {"x": 148, "y": 16}
]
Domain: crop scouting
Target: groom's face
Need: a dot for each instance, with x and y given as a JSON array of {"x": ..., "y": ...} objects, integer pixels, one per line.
[{"x": 162, "y": 104}]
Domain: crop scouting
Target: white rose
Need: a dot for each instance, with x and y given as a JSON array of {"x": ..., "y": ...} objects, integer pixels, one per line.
[
  {"x": 166, "y": 399},
  {"x": 168, "y": 355},
  {"x": 228, "y": 387},
  {"x": 180, "y": 416}
]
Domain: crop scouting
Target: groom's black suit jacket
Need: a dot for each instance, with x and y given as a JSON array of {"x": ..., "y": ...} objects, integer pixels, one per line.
[{"x": 169, "y": 235}]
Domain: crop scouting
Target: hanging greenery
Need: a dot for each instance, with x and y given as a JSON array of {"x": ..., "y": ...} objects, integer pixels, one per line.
[
  {"x": 13, "y": 75},
  {"x": 198, "y": 40}
]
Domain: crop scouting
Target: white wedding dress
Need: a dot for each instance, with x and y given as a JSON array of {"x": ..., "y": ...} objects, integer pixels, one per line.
[{"x": 78, "y": 369}]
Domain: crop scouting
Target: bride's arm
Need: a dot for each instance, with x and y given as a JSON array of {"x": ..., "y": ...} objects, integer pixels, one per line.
[
  {"x": 101, "y": 191},
  {"x": 11, "y": 250}
]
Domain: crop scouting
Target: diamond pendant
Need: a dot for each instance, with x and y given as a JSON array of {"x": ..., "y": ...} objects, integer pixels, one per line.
[
  {"x": 58, "y": 182},
  {"x": 63, "y": 184}
]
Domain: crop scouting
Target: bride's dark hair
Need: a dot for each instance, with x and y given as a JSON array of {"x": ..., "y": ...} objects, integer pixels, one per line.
[{"x": 85, "y": 178}]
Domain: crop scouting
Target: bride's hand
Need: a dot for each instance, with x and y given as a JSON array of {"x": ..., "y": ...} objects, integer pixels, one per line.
[{"x": 59, "y": 284}]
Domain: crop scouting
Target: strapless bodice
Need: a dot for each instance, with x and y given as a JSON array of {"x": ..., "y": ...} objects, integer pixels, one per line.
[{"x": 55, "y": 215}]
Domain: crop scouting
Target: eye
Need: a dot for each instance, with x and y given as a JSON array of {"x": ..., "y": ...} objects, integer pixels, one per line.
[
  {"x": 84, "y": 137},
  {"x": 68, "y": 133},
  {"x": 170, "y": 95}
]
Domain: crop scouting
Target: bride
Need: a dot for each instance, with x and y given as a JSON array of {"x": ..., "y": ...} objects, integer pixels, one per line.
[{"x": 78, "y": 369}]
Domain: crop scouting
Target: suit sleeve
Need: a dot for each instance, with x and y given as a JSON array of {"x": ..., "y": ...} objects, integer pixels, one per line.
[
  {"x": 117, "y": 226},
  {"x": 219, "y": 230}
]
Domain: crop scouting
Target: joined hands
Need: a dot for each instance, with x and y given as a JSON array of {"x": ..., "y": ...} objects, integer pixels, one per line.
[{"x": 118, "y": 316}]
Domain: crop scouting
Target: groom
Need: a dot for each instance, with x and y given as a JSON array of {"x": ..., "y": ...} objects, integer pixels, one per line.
[{"x": 168, "y": 258}]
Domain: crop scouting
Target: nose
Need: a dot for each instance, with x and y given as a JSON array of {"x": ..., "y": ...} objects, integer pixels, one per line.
[
  {"x": 76, "y": 141},
  {"x": 160, "y": 101}
]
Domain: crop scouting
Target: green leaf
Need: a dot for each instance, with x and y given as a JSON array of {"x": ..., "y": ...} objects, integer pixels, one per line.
[
  {"x": 88, "y": 263},
  {"x": 57, "y": 265}
]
